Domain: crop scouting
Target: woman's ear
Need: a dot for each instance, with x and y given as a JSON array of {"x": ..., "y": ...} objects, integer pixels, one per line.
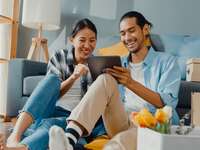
[
  {"x": 70, "y": 40},
  {"x": 146, "y": 29}
]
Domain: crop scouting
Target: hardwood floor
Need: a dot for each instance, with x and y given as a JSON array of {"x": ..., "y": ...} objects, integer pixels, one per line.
[{"x": 5, "y": 127}]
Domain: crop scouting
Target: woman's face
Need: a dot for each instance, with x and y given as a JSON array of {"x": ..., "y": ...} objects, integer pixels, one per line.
[{"x": 84, "y": 43}]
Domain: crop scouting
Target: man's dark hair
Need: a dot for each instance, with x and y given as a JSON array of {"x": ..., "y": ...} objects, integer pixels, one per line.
[{"x": 140, "y": 19}]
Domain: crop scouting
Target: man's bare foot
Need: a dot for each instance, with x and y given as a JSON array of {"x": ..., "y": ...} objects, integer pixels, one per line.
[{"x": 13, "y": 140}]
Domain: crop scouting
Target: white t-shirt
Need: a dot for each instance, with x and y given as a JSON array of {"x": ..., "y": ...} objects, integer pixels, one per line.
[
  {"x": 132, "y": 101},
  {"x": 71, "y": 97}
]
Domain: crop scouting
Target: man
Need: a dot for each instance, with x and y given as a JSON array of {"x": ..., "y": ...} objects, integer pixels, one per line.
[{"x": 150, "y": 79}]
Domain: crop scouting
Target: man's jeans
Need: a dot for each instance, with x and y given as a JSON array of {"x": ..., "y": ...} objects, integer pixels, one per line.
[{"x": 41, "y": 105}]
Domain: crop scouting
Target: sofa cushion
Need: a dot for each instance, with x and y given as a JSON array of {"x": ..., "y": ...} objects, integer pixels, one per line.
[{"x": 29, "y": 84}]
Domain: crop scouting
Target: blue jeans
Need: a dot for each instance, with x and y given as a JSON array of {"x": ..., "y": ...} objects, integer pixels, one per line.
[{"x": 41, "y": 105}]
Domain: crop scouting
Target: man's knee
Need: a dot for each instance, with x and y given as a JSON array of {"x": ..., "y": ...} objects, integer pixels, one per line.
[{"x": 108, "y": 79}]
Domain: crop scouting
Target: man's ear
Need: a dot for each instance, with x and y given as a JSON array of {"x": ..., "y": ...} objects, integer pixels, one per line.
[{"x": 146, "y": 29}]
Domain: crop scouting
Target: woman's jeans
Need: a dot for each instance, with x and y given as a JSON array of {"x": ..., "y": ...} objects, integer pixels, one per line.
[{"x": 41, "y": 105}]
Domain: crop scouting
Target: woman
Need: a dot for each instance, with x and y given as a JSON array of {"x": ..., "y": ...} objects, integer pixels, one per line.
[{"x": 67, "y": 75}]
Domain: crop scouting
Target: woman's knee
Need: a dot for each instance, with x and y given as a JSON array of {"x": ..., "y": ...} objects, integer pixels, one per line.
[
  {"x": 49, "y": 122},
  {"x": 52, "y": 79}
]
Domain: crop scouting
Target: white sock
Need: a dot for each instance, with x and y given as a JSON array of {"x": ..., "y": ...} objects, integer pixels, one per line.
[{"x": 58, "y": 140}]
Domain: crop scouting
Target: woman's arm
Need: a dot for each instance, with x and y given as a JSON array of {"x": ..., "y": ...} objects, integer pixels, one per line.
[
  {"x": 66, "y": 85},
  {"x": 79, "y": 70}
]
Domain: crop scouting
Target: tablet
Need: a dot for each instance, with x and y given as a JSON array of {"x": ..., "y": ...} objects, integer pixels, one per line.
[{"x": 97, "y": 64}]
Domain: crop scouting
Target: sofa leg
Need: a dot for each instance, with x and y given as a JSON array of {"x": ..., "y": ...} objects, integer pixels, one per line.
[{"x": 5, "y": 118}]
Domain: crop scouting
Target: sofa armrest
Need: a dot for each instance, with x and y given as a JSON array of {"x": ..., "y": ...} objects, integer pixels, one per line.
[
  {"x": 186, "y": 89},
  {"x": 18, "y": 69}
]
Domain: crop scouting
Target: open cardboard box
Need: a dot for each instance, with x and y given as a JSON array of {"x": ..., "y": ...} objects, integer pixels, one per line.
[
  {"x": 151, "y": 140},
  {"x": 193, "y": 69}
]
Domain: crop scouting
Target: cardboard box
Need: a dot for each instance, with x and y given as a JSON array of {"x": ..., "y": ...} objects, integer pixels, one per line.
[
  {"x": 193, "y": 69},
  {"x": 195, "y": 109},
  {"x": 151, "y": 140}
]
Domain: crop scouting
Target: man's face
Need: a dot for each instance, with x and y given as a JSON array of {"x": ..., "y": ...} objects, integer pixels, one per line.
[{"x": 132, "y": 35}]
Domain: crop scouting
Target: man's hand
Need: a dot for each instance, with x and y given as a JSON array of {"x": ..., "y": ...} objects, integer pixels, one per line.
[
  {"x": 80, "y": 70},
  {"x": 121, "y": 74}
]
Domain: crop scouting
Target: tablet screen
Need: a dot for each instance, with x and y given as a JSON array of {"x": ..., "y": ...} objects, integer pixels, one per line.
[{"x": 97, "y": 64}]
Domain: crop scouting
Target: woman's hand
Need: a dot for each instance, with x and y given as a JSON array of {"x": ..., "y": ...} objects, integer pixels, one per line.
[
  {"x": 79, "y": 70},
  {"x": 121, "y": 74}
]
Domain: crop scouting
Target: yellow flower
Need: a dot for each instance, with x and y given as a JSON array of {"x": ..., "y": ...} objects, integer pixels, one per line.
[
  {"x": 161, "y": 116},
  {"x": 145, "y": 119},
  {"x": 168, "y": 111},
  {"x": 139, "y": 120},
  {"x": 160, "y": 122}
]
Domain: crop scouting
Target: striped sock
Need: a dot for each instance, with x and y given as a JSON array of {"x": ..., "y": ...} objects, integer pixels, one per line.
[{"x": 73, "y": 133}]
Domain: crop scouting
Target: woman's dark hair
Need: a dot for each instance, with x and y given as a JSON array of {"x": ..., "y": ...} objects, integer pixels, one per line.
[
  {"x": 81, "y": 24},
  {"x": 140, "y": 19}
]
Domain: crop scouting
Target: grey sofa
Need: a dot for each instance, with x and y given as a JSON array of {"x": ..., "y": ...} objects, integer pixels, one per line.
[
  {"x": 25, "y": 74},
  {"x": 184, "y": 96}
]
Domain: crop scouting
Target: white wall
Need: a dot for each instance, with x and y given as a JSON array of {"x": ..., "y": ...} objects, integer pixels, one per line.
[{"x": 171, "y": 16}]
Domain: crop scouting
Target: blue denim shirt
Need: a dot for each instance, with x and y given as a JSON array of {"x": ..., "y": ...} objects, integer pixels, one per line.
[{"x": 162, "y": 75}]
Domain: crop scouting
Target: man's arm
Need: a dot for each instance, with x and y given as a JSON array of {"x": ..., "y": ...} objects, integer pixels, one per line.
[
  {"x": 123, "y": 76},
  {"x": 169, "y": 82},
  {"x": 145, "y": 93}
]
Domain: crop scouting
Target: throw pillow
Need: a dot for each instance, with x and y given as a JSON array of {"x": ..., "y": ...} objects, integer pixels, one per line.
[{"x": 117, "y": 49}]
